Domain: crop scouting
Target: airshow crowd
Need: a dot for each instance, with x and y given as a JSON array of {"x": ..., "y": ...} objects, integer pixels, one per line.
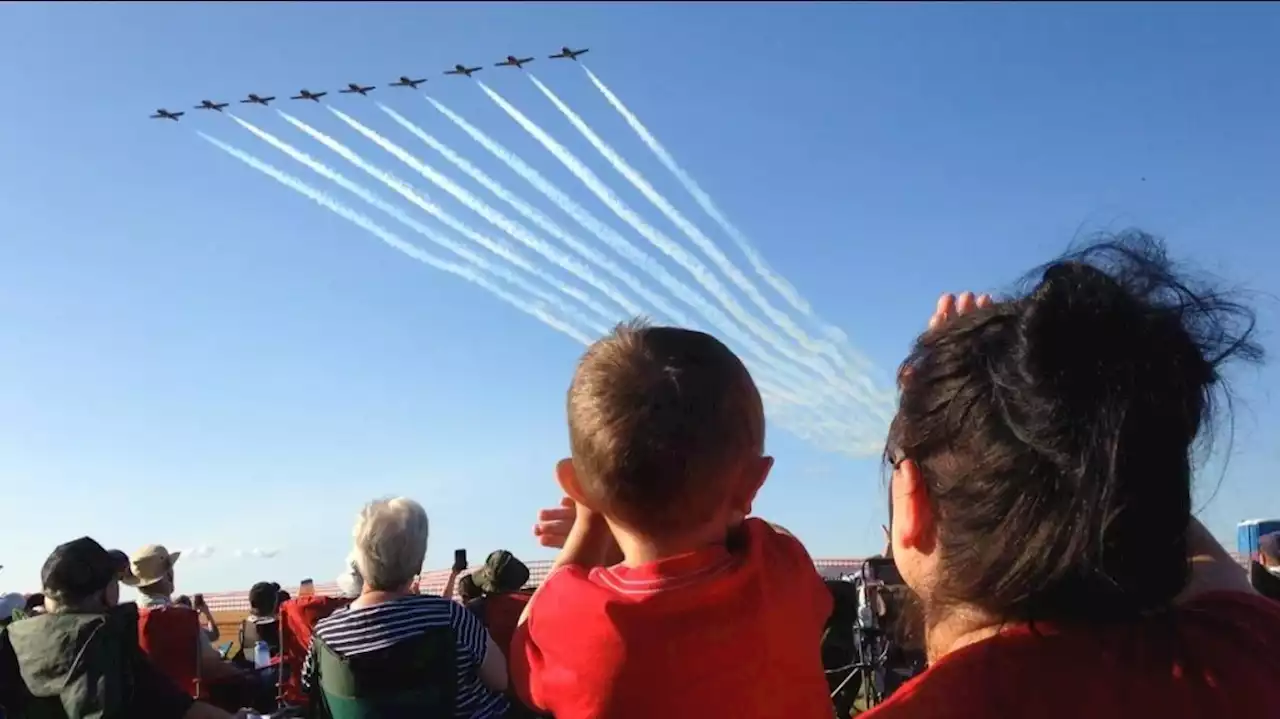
[{"x": 1040, "y": 468}]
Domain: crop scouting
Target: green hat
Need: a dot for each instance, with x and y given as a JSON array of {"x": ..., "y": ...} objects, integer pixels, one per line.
[{"x": 501, "y": 572}]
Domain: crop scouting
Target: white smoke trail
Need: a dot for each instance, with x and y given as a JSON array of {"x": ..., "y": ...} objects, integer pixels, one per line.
[
  {"x": 770, "y": 276},
  {"x": 514, "y": 229},
  {"x": 695, "y": 235},
  {"x": 814, "y": 396},
  {"x": 776, "y": 396},
  {"x": 404, "y": 190},
  {"x": 394, "y": 241},
  {"x": 541, "y": 220},
  {"x": 868, "y": 401},
  {"x": 779, "y": 283},
  {"x": 454, "y": 247},
  {"x": 713, "y": 314}
]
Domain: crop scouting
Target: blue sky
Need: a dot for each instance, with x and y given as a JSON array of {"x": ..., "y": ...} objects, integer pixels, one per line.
[{"x": 193, "y": 354}]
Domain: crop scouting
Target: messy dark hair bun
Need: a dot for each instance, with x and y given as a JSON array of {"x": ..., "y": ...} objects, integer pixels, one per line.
[{"x": 1056, "y": 433}]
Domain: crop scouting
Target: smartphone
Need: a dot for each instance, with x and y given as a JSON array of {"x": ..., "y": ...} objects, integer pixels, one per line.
[
  {"x": 459, "y": 560},
  {"x": 197, "y": 601},
  {"x": 306, "y": 588}
]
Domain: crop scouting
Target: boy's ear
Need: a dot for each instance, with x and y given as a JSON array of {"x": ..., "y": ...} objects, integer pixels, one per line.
[
  {"x": 754, "y": 475},
  {"x": 567, "y": 476}
]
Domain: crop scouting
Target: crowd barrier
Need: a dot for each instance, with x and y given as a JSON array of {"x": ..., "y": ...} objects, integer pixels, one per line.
[{"x": 434, "y": 582}]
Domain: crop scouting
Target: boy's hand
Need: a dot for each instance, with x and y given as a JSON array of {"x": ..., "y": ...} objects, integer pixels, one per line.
[{"x": 554, "y": 524}]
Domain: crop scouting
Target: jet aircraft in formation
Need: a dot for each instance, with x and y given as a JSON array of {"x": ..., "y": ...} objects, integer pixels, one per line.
[
  {"x": 513, "y": 61},
  {"x": 404, "y": 81},
  {"x": 567, "y": 54},
  {"x": 363, "y": 90},
  {"x": 462, "y": 70}
]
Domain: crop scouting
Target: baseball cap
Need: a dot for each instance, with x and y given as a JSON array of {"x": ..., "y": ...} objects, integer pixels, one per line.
[
  {"x": 78, "y": 569},
  {"x": 501, "y": 572}
]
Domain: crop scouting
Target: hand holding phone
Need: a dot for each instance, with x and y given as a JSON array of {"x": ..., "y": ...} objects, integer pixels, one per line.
[
  {"x": 459, "y": 560},
  {"x": 197, "y": 601}
]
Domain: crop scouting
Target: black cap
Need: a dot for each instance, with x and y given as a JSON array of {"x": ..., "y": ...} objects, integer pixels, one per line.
[
  {"x": 263, "y": 597},
  {"x": 78, "y": 569}
]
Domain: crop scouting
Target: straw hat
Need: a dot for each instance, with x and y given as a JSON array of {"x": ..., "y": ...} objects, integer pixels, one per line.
[{"x": 150, "y": 565}]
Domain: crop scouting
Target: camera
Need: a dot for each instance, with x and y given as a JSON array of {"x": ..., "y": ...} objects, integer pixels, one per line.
[{"x": 869, "y": 648}]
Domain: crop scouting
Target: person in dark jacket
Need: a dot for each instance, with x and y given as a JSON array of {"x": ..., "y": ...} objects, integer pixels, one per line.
[{"x": 80, "y": 659}]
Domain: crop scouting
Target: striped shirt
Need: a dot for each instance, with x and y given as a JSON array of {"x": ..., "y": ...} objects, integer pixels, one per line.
[{"x": 368, "y": 629}]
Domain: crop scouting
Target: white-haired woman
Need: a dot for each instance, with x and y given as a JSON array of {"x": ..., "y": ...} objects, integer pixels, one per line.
[{"x": 390, "y": 546}]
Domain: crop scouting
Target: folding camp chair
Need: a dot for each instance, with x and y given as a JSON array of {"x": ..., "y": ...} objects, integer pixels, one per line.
[{"x": 298, "y": 618}]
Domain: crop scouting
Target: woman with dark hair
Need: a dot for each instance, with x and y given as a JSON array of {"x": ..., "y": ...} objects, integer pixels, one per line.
[{"x": 1042, "y": 460}]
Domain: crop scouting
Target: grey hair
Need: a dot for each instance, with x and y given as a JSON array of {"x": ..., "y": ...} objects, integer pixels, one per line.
[{"x": 390, "y": 543}]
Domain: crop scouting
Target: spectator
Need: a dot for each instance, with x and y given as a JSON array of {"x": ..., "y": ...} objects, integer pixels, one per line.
[
  {"x": 1265, "y": 573},
  {"x": 34, "y": 605},
  {"x": 1042, "y": 459},
  {"x": 708, "y": 613},
  {"x": 12, "y": 607},
  {"x": 350, "y": 583},
  {"x": 501, "y": 582},
  {"x": 261, "y": 624},
  {"x": 467, "y": 589},
  {"x": 151, "y": 573},
  {"x": 390, "y": 631},
  {"x": 81, "y": 659},
  {"x": 282, "y": 596}
]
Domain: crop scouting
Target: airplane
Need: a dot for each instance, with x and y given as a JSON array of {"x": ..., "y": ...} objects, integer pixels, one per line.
[
  {"x": 567, "y": 54},
  {"x": 255, "y": 100},
  {"x": 462, "y": 70},
  {"x": 306, "y": 94},
  {"x": 210, "y": 105},
  {"x": 513, "y": 61},
  {"x": 406, "y": 82},
  {"x": 354, "y": 88},
  {"x": 163, "y": 114}
]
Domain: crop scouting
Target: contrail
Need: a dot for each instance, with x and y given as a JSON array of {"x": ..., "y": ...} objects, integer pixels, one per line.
[
  {"x": 583, "y": 217},
  {"x": 516, "y": 230},
  {"x": 541, "y": 220},
  {"x": 454, "y": 247},
  {"x": 480, "y": 208},
  {"x": 714, "y": 315},
  {"x": 771, "y": 276},
  {"x": 403, "y": 189},
  {"x": 681, "y": 256},
  {"x": 696, "y": 235},
  {"x": 779, "y": 283},
  {"x": 391, "y": 239}
]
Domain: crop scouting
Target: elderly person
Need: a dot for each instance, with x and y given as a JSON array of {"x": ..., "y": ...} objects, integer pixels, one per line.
[
  {"x": 388, "y": 627},
  {"x": 74, "y": 659},
  {"x": 1041, "y": 480}
]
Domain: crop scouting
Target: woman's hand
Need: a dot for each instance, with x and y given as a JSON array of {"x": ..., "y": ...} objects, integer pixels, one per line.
[{"x": 950, "y": 306}]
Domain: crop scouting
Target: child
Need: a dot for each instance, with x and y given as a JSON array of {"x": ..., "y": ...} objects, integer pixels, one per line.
[{"x": 665, "y": 601}]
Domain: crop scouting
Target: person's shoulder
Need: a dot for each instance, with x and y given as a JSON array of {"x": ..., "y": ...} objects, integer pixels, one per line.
[
  {"x": 777, "y": 548},
  {"x": 567, "y": 595}
]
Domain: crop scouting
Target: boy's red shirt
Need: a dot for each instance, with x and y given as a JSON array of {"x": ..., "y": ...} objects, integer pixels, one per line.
[
  {"x": 1217, "y": 656},
  {"x": 711, "y": 633}
]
